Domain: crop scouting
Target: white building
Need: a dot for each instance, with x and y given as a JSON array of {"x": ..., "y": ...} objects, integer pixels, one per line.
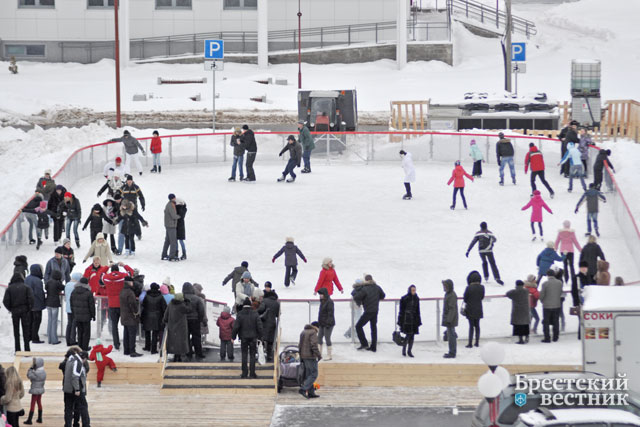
[{"x": 83, "y": 30}]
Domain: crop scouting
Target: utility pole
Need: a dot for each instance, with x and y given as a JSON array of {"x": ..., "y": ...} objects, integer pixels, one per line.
[
  {"x": 299, "y": 47},
  {"x": 117, "y": 55},
  {"x": 508, "y": 29}
]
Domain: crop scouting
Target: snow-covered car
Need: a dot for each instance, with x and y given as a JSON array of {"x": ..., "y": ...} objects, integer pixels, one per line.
[
  {"x": 578, "y": 417},
  {"x": 508, "y": 411}
]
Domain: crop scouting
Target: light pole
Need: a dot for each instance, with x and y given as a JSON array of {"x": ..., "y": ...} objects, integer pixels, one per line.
[
  {"x": 507, "y": 48},
  {"x": 492, "y": 382},
  {"x": 117, "y": 55},
  {"x": 299, "y": 48}
]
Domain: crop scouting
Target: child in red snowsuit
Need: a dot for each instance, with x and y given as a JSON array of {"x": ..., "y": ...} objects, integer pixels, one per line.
[{"x": 99, "y": 355}]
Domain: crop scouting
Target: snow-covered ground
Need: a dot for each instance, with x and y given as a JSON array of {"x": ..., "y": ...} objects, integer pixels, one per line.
[{"x": 353, "y": 213}]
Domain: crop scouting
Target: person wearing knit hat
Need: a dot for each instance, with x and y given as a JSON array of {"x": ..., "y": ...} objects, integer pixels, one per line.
[
  {"x": 171, "y": 218},
  {"x": 156, "y": 151},
  {"x": 248, "y": 140},
  {"x": 168, "y": 296},
  {"x": 295, "y": 155},
  {"x": 46, "y": 185},
  {"x": 58, "y": 262},
  {"x": 245, "y": 289},
  {"x": 132, "y": 147},
  {"x": 291, "y": 253},
  {"x": 308, "y": 145},
  {"x": 225, "y": 328},
  {"x": 236, "y": 276},
  {"x": 71, "y": 210},
  {"x": 19, "y": 299},
  {"x": 520, "y": 312}
]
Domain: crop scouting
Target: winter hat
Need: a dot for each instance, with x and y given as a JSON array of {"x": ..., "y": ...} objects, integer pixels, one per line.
[
  {"x": 583, "y": 264},
  {"x": 226, "y": 309},
  {"x": 501, "y": 135},
  {"x": 59, "y": 187},
  {"x": 244, "y": 264},
  {"x": 171, "y": 196},
  {"x": 368, "y": 278},
  {"x": 457, "y": 163},
  {"x": 246, "y": 302},
  {"x": 519, "y": 283},
  {"x": 68, "y": 195},
  {"x": 156, "y": 133},
  {"x": 315, "y": 324},
  {"x": 129, "y": 178},
  {"x": 483, "y": 225},
  {"x": 472, "y": 142},
  {"x": 327, "y": 261},
  {"x": 118, "y": 159},
  {"x": 359, "y": 281},
  {"x": 246, "y": 275},
  {"x": 531, "y": 278},
  {"x": 164, "y": 290},
  {"x": 84, "y": 281},
  {"x": 566, "y": 223},
  {"x": 98, "y": 341},
  {"x": 56, "y": 275},
  {"x": 291, "y": 138},
  {"x": 300, "y": 122},
  {"x": 536, "y": 192},
  {"x": 402, "y": 152},
  {"x": 126, "y": 132},
  {"x": 167, "y": 281},
  {"x": 43, "y": 205},
  {"x": 550, "y": 244},
  {"x": 268, "y": 284},
  {"x": 118, "y": 196},
  {"x": 289, "y": 239},
  {"x": 99, "y": 236},
  {"x": 59, "y": 250},
  {"x": 245, "y": 127},
  {"x": 154, "y": 287},
  {"x": 47, "y": 172},
  {"x": 65, "y": 241}
]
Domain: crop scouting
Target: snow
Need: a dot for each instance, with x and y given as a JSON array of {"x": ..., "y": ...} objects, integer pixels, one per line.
[{"x": 611, "y": 298}]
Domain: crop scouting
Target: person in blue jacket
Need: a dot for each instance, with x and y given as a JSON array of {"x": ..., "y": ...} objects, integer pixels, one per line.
[
  {"x": 577, "y": 169},
  {"x": 546, "y": 258}
]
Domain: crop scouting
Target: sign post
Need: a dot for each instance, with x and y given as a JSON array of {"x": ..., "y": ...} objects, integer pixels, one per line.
[
  {"x": 518, "y": 60},
  {"x": 214, "y": 49}
]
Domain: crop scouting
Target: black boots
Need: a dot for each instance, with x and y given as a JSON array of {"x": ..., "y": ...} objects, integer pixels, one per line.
[
  {"x": 39, "y": 420},
  {"x": 159, "y": 169},
  {"x": 155, "y": 169},
  {"x": 29, "y": 420},
  {"x": 39, "y": 244},
  {"x": 404, "y": 349},
  {"x": 77, "y": 243}
]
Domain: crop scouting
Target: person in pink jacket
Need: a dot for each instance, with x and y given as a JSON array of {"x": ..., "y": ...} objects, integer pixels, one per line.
[
  {"x": 457, "y": 177},
  {"x": 328, "y": 278},
  {"x": 566, "y": 242},
  {"x": 536, "y": 204}
]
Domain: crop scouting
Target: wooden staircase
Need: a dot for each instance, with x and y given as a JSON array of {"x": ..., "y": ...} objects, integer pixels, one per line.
[{"x": 216, "y": 378}]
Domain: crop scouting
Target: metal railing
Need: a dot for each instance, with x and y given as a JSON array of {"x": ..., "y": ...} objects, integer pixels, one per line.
[{"x": 491, "y": 16}]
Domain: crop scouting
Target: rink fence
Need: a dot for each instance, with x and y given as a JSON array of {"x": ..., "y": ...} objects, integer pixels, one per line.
[{"x": 364, "y": 147}]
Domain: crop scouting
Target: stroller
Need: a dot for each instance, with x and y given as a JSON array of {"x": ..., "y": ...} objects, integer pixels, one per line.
[{"x": 291, "y": 367}]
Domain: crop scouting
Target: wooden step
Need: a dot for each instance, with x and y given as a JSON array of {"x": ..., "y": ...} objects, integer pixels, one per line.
[
  {"x": 234, "y": 382},
  {"x": 211, "y": 377},
  {"x": 213, "y": 366},
  {"x": 212, "y": 372},
  {"x": 220, "y": 392}
]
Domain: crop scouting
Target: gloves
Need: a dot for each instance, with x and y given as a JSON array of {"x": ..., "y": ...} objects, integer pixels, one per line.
[
  {"x": 143, "y": 209},
  {"x": 223, "y": 283},
  {"x": 84, "y": 228},
  {"x": 467, "y": 254},
  {"x": 576, "y": 211},
  {"x": 305, "y": 260},
  {"x": 273, "y": 260}
]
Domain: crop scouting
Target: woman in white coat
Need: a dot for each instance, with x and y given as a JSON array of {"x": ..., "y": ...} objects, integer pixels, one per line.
[{"x": 409, "y": 173}]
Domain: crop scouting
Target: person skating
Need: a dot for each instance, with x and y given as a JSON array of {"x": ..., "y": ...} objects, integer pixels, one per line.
[
  {"x": 35, "y": 283},
  {"x": 71, "y": 210},
  {"x": 592, "y": 196},
  {"x": 131, "y": 191},
  {"x": 291, "y": 253},
  {"x": 326, "y": 321},
  {"x": 457, "y": 177},
  {"x": 46, "y": 185},
  {"x": 536, "y": 204},
  {"x": 478, "y": 159},
  {"x": 133, "y": 148},
  {"x": 153, "y": 307},
  {"x": 37, "y": 376},
  {"x": 115, "y": 174},
  {"x": 409, "y": 319},
  {"x": 520, "y": 312},
  {"x": 504, "y": 153},
  {"x": 248, "y": 140},
  {"x": 42, "y": 214},
  {"x": 156, "y": 151},
  {"x": 99, "y": 248},
  {"x": 131, "y": 220},
  {"x": 225, "y": 326},
  {"x": 368, "y": 296},
  {"x": 31, "y": 215},
  {"x": 175, "y": 323},
  {"x": 295, "y": 155},
  {"x": 551, "y": 299},
  {"x": 598, "y": 167},
  {"x": 83, "y": 307},
  {"x": 99, "y": 355},
  {"x": 576, "y": 170},
  {"x": 590, "y": 254},
  {"x": 568, "y": 244},
  {"x": 310, "y": 356},
  {"x": 535, "y": 159},
  {"x": 18, "y": 299},
  {"x": 181, "y": 233},
  {"x": 171, "y": 218},
  {"x": 583, "y": 147},
  {"x": 54, "y": 288},
  {"x": 238, "y": 155},
  {"x": 546, "y": 258},
  {"x": 534, "y": 295},
  {"x": 328, "y": 277},
  {"x": 236, "y": 275},
  {"x": 68, "y": 253},
  {"x": 567, "y": 134},
  {"x": 486, "y": 240},
  {"x": 450, "y": 317},
  {"x": 109, "y": 227},
  {"x": 473, "y": 296},
  {"x": 248, "y": 328},
  {"x": 409, "y": 173},
  {"x": 269, "y": 311},
  {"x": 194, "y": 319},
  {"x": 130, "y": 317},
  {"x": 95, "y": 221},
  {"x": 308, "y": 145}
]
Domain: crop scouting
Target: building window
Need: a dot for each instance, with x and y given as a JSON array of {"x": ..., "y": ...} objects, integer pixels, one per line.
[
  {"x": 100, "y": 3},
  {"x": 240, "y": 4},
  {"x": 173, "y": 4},
  {"x": 36, "y": 3},
  {"x": 24, "y": 50}
]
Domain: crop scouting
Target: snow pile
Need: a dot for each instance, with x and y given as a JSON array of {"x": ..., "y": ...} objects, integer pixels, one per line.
[{"x": 618, "y": 298}]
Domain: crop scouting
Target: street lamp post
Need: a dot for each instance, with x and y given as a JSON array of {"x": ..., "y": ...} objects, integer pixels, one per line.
[
  {"x": 492, "y": 382},
  {"x": 299, "y": 48},
  {"x": 117, "y": 55}
]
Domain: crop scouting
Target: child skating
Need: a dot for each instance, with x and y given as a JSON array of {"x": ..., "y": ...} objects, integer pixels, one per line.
[
  {"x": 536, "y": 204},
  {"x": 291, "y": 253},
  {"x": 478, "y": 158},
  {"x": 457, "y": 177},
  {"x": 99, "y": 355}
]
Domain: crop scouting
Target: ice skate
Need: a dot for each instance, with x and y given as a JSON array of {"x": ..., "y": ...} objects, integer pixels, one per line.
[
  {"x": 406, "y": 197},
  {"x": 452, "y": 207},
  {"x": 282, "y": 178},
  {"x": 533, "y": 239},
  {"x": 232, "y": 179},
  {"x": 291, "y": 180}
]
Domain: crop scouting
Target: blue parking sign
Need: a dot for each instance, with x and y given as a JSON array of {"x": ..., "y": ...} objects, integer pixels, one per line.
[
  {"x": 214, "y": 49},
  {"x": 518, "y": 52}
]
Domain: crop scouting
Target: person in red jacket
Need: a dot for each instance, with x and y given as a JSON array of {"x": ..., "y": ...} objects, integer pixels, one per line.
[
  {"x": 457, "y": 177},
  {"x": 114, "y": 282},
  {"x": 94, "y": 273},
  {"x": 535, "y": 159},
  {"x": 328, "y": 278},
  {"x": 99, "y": 355},
  {"x": 156, "y": 149},
  {"x": 225, "y": 324}
]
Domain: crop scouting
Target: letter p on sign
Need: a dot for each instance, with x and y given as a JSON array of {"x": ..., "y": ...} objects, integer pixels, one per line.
[{"x": 214, "y": 49}]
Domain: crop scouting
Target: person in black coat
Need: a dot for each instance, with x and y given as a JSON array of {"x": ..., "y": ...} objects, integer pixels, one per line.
[
  {"x": 83, "y": 307},
  {"x": 368, "y": 296},
  {"x": 18, "y": 299},
  {"x": 71, "y": 210},
  {"x": 473, "y": 296},
  {"x": 269, "y": 311},
  {"x": 409, "y": 318},
  {"x": 194, "y": 319},
  {"x": 54, "y": 288},
  {"x": 55, "y": 199},
  {"x": 181, "y": 234},
  {"x": 131, "y": 220},
  {"x": 295, "y": 155},
  {"x": 249, "y": 328},
  {"x": 94, "y": 221},
  {"x": 21, "y": 266},
  {"x": 34, "y": 281},
  {"x": 520, "y": 312},
  {"x": 590, "y": 254},
  {"x": 598, "y": 167},
  {"x": 153, "y": 308},
  {"x": 326, "y": 320},
  {"x": 248, "y": 140}
]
